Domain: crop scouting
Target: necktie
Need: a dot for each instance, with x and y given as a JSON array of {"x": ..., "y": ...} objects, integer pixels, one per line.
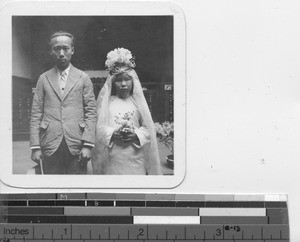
[{"x": 62, "y": 81}]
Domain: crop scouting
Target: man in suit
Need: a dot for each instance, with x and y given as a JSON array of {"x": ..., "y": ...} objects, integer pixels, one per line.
[{"x": 63, "y": 115}]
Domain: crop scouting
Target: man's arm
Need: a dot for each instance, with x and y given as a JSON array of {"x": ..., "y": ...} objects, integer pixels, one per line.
[
  {"x": 90, "y": 120},
  {"x": 35, "y": 121},
  {"x": 90, "y": 113}
]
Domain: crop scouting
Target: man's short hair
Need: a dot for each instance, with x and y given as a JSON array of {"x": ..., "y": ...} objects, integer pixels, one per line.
[{"x": 62, "y": 33}]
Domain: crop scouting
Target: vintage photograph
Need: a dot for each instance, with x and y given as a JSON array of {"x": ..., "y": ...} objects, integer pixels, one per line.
[{"x": 93, "y": 95}]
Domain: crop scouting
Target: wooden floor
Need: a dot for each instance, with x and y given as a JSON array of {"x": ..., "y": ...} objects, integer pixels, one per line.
[{"x": 22, "y": 161}]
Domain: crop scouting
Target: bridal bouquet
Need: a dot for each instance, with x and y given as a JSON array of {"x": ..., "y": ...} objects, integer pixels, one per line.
[
  {"x": 125, "y": 123},
  {"x": 126, "y": 127},
  {"x": 165, "y": 134}
]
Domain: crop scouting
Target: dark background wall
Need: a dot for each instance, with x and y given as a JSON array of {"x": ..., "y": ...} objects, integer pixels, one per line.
[{"x": 149, "y": 38}]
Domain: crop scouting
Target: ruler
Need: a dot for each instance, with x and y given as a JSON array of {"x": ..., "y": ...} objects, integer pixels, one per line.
[{"x": 143, "y": 217}]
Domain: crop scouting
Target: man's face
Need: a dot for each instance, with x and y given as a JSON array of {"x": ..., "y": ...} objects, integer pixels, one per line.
[{"x": 61, "y": 51}]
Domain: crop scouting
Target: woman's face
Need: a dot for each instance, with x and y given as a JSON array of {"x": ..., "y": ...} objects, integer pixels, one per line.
[{"x": 123, "y": 84}]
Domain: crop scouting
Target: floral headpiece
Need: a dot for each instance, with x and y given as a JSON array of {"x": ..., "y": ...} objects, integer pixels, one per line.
[{"x": 119, "y": 60}]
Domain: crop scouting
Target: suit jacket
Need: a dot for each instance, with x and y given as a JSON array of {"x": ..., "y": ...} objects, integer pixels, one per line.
[{"x": 71, "y": 115}]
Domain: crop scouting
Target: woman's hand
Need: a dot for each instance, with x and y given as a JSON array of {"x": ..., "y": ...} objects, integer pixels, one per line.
[
  {"x": 116, "y": 136},
  {"x": 127, "y": 138},
  {"x": 130, "y": 138}
]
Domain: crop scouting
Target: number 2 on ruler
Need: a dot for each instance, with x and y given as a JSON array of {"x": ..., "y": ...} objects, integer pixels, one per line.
[{"x": 141, "y": 232}]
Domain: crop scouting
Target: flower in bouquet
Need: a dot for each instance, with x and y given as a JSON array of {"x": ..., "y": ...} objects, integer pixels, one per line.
[
  {"x": 126, "y": 127},
  {"x": 125, "y": 123}
]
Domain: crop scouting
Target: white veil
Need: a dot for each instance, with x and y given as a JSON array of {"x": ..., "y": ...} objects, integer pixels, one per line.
[{"x": 100, "y": 156}]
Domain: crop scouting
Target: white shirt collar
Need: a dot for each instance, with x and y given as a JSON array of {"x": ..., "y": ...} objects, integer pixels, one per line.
[{"x": 67, "y": 70}]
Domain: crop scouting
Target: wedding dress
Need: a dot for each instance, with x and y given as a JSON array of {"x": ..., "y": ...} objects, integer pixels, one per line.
[{"x": 114, "y": 157}]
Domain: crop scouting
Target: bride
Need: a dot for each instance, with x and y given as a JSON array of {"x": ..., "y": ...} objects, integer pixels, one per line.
[{"x": 125, "y": 134}]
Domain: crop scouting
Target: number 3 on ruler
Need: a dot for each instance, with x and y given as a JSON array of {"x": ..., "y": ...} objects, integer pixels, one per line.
[{"x": 219, "y": 232}]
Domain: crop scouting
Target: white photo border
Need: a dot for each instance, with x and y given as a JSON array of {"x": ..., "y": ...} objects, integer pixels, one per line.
[{"x": 99, "y": 8}]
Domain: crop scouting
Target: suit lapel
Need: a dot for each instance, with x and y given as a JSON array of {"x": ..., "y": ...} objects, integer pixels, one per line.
[
  {"x": 53, "y": 80},
  {"x": 73, "y": 78}
]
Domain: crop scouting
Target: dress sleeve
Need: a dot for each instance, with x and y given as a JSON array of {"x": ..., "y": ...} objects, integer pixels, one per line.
[{"x": 142, "y": 134}]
